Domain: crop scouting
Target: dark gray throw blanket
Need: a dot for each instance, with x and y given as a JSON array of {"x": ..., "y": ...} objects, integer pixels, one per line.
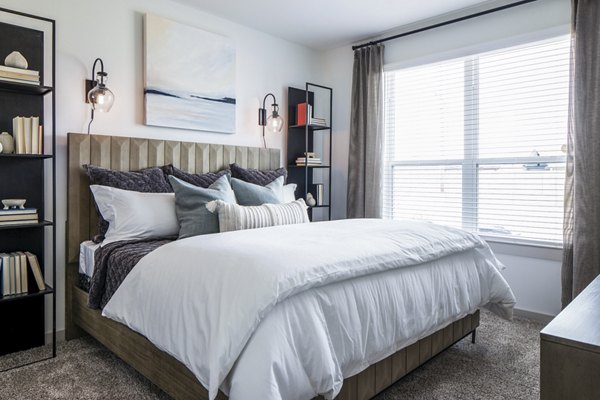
[{"x": 112, "y": 263}]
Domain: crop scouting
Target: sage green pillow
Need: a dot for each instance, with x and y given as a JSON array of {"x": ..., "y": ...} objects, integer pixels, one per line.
[
  {"x": 190, "y": 205},
  {"x": 249, "y": 194}
]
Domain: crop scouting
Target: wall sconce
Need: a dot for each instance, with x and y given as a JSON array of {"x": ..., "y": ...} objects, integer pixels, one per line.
[
  {"x": 274, "y": 122},
  {"x": 98, "y": 95}
]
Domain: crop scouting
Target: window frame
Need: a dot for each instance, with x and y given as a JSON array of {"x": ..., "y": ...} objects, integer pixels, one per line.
[{"x": 470, "y": 163}]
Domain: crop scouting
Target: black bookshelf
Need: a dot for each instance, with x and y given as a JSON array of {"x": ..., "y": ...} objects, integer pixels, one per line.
[
  {"x": 31, "y": 177},
  {"x": 310, "y": 138}
]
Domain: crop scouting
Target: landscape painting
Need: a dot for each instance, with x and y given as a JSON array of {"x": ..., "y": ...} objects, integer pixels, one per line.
[{"x": 189, "y": 77}]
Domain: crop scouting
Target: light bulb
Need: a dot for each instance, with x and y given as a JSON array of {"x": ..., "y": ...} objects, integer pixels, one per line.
[
  {"x": 274, "y": 123},
  {"x": 100, "y": 97}
]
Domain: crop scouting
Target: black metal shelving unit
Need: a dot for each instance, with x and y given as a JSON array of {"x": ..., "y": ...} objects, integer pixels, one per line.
[
  {"x": 308, "y": 137},
  {"x": 32, "y": 177}
]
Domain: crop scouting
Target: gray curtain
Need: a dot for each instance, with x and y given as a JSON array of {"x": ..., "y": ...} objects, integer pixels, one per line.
[
  {"x": 365, "y": 161},
  {"x": 581, "y": 260}
]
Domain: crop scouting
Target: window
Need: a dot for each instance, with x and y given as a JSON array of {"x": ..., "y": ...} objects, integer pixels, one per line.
[{"x": 479, "y": 142}]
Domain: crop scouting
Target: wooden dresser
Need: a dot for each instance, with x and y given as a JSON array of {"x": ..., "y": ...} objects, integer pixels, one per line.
[{"x": 570, "y": 350}]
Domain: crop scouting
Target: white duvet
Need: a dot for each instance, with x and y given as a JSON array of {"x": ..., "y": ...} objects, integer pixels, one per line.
[{"x": 287, "y": 312}]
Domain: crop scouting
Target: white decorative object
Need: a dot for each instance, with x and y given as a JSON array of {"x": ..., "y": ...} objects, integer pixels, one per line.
[
  {"x": 190, "y": 77},
  {"x": 310, "y": 200},
  {"x": 14, "y": 203},
  {"x": 7, "y": 142},
  {"x": 16, "y": 60}
]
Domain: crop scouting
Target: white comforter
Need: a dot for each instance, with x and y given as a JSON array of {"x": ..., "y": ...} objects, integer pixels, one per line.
[{"x": 297, "y": 308}]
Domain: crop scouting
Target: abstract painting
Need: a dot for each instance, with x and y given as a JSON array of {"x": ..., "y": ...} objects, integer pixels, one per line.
[{"x": 189, "y": 77}]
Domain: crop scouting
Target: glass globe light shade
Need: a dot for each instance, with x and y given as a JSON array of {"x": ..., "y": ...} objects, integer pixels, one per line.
[
  {"x": 100, "y": 97},
  {"x": 274, "y": 123}
]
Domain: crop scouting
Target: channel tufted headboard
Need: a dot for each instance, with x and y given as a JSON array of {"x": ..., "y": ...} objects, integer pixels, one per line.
[{"x": 131, "y": 154}]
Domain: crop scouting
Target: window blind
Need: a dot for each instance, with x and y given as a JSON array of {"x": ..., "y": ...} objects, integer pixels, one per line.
[{"x": 479, "y": 142}]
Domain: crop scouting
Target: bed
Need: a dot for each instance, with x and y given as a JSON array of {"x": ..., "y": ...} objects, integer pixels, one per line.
[{"x": 169, "y": 369}]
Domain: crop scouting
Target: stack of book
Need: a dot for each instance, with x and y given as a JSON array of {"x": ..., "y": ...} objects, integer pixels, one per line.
[
  {"x": 16, "y": 216},
  {"x": 318, "y": 121},
  {"x": 13, "y": 273},
  {"x": 310, "y": 159},
  {"x": 28, "y": 135},
  {"x": 17, "y": 75}
]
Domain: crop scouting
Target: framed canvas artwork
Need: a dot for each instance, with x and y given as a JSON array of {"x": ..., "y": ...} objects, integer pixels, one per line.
[{"x": 189, "y": 77}]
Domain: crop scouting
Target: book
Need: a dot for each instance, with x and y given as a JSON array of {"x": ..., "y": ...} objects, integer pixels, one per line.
[
  {"x": 16, "y": 262},
  {"x": 11, "y": 274},
  {"x": 35, "y": 127},
  {"x": 19, "y": 135},
  {"x": 18, "y": 217},
  {"x": 16, "y": 211},
  {"x": 25, "y": 221},
  {"x": 23, "y": 265},
  {"x": 41, "y": 140},
  {"x": 27, "y": 134},
  {"x": 13, "y": 80},
  {"x": 5, "y": 265},
  {"x": 301, "y": 112},
  {"x": 28, "y": 72},
  {"x": 310, "y": 159},
  {"x": 37, "y": 271},
  {"x": 17, "y": 75}
]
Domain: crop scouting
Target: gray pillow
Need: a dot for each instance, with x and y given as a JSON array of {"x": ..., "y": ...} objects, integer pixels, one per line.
[
  {"x": 190, "y": 205},
  {"x": 249, "y": 194},
  {"x": 202, "y": 180},
  {"x": 257, "y": 176}
]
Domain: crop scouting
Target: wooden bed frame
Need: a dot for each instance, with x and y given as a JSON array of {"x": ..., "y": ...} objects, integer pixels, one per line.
[{"x": 130, "y": 154}]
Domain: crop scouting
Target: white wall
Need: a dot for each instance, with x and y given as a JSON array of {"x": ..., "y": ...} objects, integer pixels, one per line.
[
  {"x": 112, "y": 30},
  {"x": 534, "y": 275}
]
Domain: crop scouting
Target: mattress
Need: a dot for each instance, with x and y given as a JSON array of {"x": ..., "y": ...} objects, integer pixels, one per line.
[{"x": 87, "y": 250}]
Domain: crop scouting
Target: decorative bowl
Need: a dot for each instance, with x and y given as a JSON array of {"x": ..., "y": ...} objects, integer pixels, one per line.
[{"x": 13, "y": 203}]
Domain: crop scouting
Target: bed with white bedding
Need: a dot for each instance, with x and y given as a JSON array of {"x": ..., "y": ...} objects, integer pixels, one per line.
[
  {"x": 299, "y": 308},
  {"x": 282, "y": 312}
]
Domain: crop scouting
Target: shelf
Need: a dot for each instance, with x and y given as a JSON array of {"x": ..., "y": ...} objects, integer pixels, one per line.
[
  {"x": 26, "y": 156},
  {"x": 21, "y": 226},
  {"x": 24, "y": 88},
  {"x": 323, "y": 206},
  {"x": 313, "y": 127},
  {"x": 308, "y": 166},
  {"x": 22, "y": 296}
]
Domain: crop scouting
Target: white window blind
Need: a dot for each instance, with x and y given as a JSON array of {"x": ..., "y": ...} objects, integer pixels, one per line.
[{"x": 478, "y": 142}]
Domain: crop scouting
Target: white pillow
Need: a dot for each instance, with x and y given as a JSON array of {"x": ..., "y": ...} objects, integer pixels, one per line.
[
  {"x": 288, "y": 193},
  {"x": 233, "y": 217},
  {"x": 135, "y": 215}
]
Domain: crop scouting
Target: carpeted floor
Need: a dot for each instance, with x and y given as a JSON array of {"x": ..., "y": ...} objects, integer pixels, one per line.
[{"x": 503, "y": 364}]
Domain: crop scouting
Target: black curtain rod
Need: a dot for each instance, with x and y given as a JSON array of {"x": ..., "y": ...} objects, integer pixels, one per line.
[{"x": 452, "y": 21}]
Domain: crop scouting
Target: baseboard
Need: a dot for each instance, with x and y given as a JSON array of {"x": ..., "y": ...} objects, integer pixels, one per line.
[
  {"x": 538, "y": 317},
  {"x": 60, "y": 336}
]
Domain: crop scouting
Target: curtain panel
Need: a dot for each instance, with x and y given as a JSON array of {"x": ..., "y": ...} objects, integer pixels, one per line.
[
  {"x": 581, "y": 260},
  {"x": 365, "y": 161}
]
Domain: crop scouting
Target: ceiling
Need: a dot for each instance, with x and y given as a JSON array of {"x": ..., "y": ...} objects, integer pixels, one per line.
[{"x": 323, "y": 24}]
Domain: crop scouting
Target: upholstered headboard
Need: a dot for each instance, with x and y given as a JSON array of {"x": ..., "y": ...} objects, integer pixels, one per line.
[{"x": 130, "y": 154}]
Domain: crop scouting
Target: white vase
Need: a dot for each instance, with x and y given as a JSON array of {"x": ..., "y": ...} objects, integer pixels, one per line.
[
  {"x": 310, "y": 200},
  {"x": 8, "y": 143},
  {"x": 16, "y": 60}
]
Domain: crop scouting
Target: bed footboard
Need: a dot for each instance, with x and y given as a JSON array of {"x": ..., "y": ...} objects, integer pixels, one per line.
[{"x": 385, "y": 373}]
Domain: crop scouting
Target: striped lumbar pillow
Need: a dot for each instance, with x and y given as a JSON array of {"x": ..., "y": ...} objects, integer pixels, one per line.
[{"x": 233, "y": 217}]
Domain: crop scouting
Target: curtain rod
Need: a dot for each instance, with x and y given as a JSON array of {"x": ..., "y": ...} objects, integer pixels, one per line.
[{"x": 438, "y": 25}]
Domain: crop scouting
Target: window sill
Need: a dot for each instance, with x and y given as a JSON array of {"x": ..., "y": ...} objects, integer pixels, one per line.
[{"x": 543, "y": 251}]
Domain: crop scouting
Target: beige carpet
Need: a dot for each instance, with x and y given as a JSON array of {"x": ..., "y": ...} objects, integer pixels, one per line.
[{"x": 503, "y": 364}]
